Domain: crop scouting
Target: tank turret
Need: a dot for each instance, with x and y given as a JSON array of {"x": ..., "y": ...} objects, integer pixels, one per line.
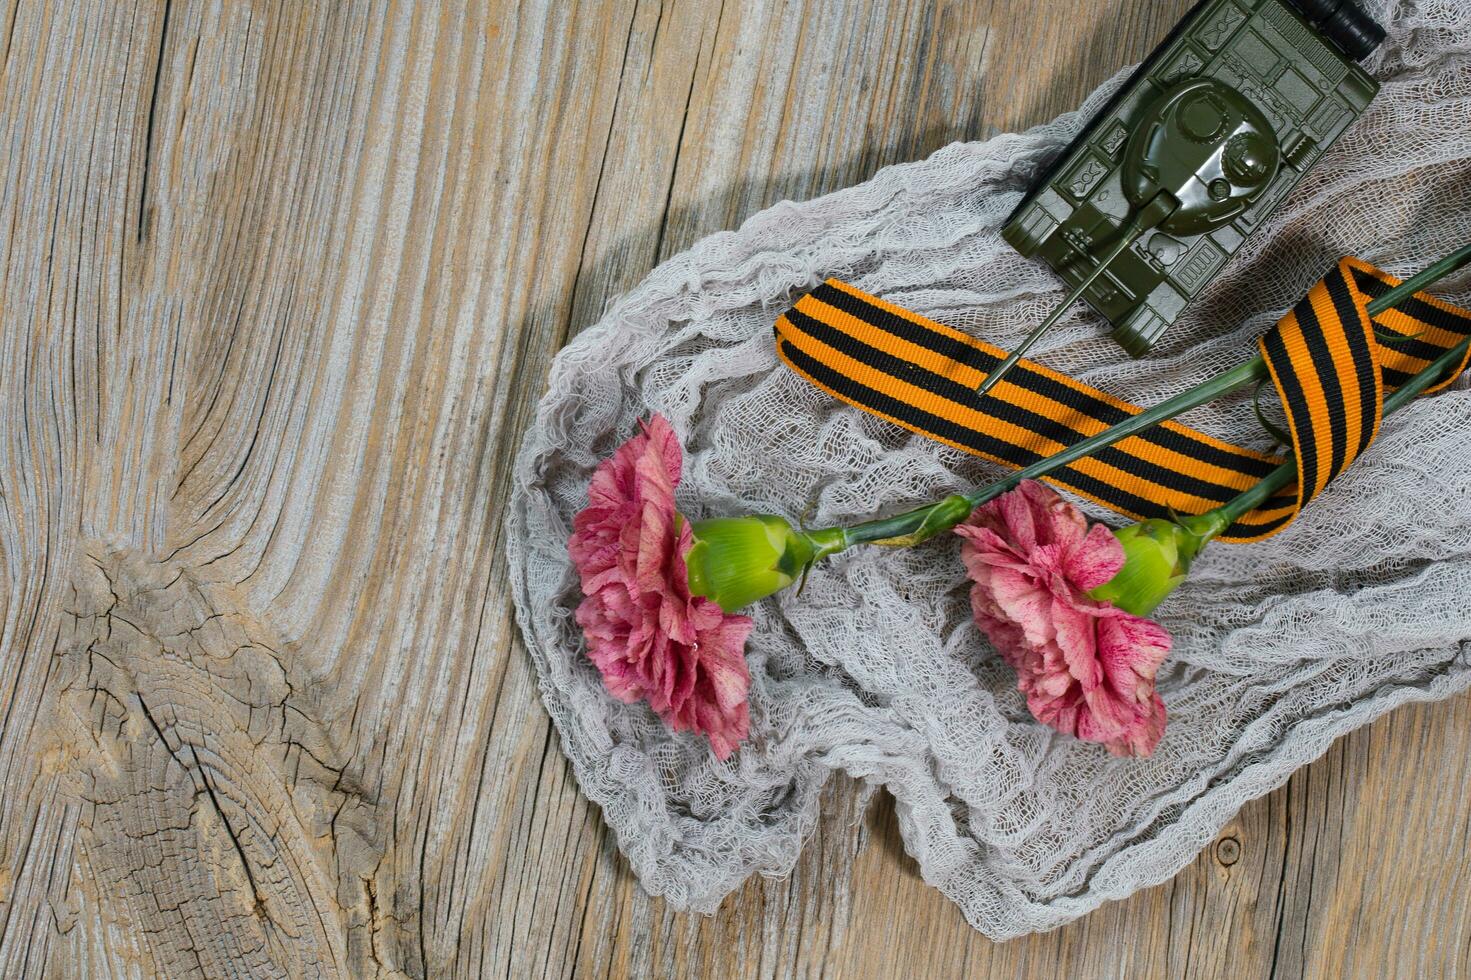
[
  {"x": 1212, "y": 132},
  {"x": 1206, "y": 145}
]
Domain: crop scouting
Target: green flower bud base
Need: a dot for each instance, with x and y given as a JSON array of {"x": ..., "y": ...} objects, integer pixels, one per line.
[
  {"x": 1157, "y": 557},
  {"x": 736, "y": 561}
]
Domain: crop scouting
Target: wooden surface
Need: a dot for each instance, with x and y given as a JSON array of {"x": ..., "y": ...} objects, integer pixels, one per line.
[{"x": 282, "y": 281}]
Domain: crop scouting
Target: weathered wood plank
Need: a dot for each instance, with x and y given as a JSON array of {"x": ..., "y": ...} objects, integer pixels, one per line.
[{"x": 282, "y": 283}]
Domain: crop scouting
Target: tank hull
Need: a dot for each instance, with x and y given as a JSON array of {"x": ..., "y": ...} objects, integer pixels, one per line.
[{"x": 1308, "y": 89}]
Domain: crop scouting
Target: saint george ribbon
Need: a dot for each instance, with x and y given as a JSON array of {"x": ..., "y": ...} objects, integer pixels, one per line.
[{"x": 1330, "y": 365}]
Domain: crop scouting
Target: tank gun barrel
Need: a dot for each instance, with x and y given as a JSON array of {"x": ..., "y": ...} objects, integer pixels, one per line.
[{"x": 1160, "y": 206}]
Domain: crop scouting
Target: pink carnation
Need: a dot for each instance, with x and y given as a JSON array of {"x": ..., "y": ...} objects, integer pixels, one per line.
[
  {"x": 1086, "y": 667},
  {"x": 647, "y": 635}
]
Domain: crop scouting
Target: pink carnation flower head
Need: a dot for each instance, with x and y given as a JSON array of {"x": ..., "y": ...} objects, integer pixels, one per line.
[
  {"x": 1086, "y": 667},
  {"x": 649, "y": 637}
]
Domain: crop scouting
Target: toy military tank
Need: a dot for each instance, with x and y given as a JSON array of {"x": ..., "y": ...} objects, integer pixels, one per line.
[{"x": 1192, "y": 154}]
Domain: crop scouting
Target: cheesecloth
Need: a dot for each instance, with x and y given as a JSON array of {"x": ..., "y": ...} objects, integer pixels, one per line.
[{"x": 877, "y": 670}]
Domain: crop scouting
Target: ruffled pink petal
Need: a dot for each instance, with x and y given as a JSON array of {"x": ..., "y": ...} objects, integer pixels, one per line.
[
  {"x": 1076, "y": 639},
  {"x": 1023, "y": 600},
  {"x": 1085, "y": 667},
  {"x": 1016, "y": 514},
  {"x": 1142, "y": 738},
  {"x": 649, "y": 638},
  {"x": 1056, "y": 521},
  {"x": 1097, "y": 559},
  {"x": 990, "y": 548},
  {"x": 665, "y": 446},
  {"x": 1131, "y": 650}
]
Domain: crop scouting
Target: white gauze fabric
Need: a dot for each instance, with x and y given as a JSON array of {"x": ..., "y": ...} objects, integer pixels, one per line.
[{"x": 877, "y": 669}]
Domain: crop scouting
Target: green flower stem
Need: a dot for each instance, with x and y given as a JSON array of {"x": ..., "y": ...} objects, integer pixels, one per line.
[
  {"x": 904, "y": 530},
  {"x": 1427, "y": 276},
  {"x": 931, "y": 519},
  {"x": 926, "y": 522}
]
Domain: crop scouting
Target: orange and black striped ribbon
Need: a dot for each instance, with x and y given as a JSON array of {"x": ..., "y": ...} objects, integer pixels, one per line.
[{"x": 1329, "y": 369}]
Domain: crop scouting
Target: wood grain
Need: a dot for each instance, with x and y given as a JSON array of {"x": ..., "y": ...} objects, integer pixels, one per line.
[{"x": 282, "y": 282}]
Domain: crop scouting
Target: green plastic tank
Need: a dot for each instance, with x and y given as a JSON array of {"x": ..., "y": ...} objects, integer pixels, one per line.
[{"x": 1188, "y": 159}]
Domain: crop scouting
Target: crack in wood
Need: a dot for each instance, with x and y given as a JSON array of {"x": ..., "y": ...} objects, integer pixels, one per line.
[{"x": 163, "y": 36}]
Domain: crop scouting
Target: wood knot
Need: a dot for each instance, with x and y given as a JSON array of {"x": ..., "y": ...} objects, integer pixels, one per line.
[
  {"x": 1228, "y": 850},
  {"x": 209, "y": 785}
]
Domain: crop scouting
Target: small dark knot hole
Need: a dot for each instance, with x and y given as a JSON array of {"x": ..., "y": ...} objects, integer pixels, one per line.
[{"x": 1228, "y": 851}]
